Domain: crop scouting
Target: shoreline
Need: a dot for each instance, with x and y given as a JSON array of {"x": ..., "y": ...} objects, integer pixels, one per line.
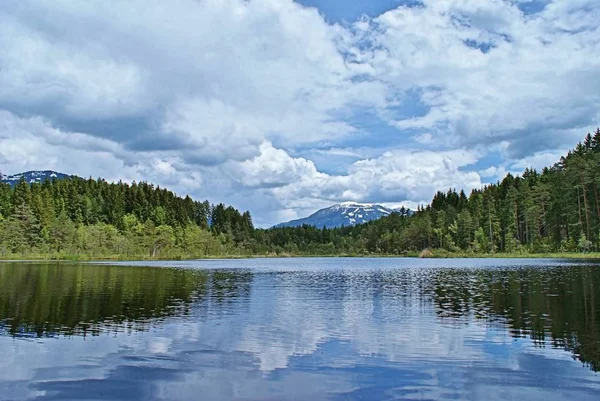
[{"x": 119, "y": 258}]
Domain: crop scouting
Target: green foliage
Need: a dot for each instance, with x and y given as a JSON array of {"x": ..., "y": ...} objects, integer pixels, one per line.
[
  {"x": 20, "y": 231},
  {"x": 481, "y": 242},
  {"x": 113, "y": 220},
  {"x": 584, "y": 244},
  {"x": 557, "y": 210}
]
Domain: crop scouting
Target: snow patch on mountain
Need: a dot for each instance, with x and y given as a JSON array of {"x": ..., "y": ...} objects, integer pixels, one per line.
[
  {"x": 32, "y": 177},
  {"x": 343, "y": 214}
]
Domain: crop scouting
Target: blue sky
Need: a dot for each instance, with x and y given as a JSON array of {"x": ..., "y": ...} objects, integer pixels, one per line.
[
  {"x": 284, "y": 107},
  {"x": 349, "y": 11}
]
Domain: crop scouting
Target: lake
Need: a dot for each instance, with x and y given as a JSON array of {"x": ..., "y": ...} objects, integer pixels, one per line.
[{"x": 301, "y": 329}]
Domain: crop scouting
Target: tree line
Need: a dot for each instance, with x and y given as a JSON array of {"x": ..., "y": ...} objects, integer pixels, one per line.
[
  {"x": 100, "y": 219},
  {"x": 555, "y": 210}
]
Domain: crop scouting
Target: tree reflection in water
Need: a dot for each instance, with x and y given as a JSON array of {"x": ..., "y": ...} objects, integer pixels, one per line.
[{"x": 70, "y": 299}]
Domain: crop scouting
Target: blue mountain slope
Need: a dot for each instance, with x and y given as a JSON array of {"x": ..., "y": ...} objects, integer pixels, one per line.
[
  {"x": 32, "y": 177},
  {"x": 344, "y": 214}
]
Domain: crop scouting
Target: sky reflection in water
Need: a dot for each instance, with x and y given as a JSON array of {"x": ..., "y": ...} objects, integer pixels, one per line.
[{"x": 297, "y": 329}]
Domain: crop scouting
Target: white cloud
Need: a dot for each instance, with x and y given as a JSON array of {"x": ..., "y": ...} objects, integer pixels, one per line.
[
  {"x": 33, "y": 144},
  {"x": 273, "y": 168},
  {"x": 539, "y": 160},
  {"x": 493, "y": 172},
  {"x": 340, "y": 152},
  {"x": 536, "y": 81},
  {"x": 218, "y": 98},
  {"x": 424, "y": 138},
  {"x": 220, "y": 76},
  {"x": 396, "y": 176}
]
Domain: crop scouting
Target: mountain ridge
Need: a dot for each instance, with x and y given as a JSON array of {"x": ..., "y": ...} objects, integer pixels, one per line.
[
  {"x": 33, "y": 176},
  {"x": 342, "y": 214}
]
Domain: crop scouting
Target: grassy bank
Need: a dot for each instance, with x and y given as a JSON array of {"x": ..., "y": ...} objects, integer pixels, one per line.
[
  {"x": 435, "y": 254},
  {"x": 439, "y": 254}
]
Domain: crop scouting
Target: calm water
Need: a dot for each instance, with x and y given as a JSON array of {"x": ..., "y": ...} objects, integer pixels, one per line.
[{"x": 301, "y": 329}]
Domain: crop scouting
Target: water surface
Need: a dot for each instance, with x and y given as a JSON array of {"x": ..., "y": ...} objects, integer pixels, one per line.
[{"x": 301, "y": 329}]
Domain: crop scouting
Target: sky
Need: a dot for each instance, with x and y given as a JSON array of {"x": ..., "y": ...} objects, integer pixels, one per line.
[{"x": 283, "y": 107}]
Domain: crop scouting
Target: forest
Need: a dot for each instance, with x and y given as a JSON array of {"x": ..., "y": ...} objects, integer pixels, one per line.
[{"x": 556, "y": 210}]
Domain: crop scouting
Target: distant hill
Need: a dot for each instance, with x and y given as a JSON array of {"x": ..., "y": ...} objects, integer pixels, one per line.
[
  {"x": 33, "y": 177},
  {"x": 343, "y": 214}
]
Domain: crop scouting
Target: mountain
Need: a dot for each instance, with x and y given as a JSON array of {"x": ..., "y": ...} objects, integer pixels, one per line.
[
  {"x": 33, "y": 176},
  {"x": 343, "y": 214}
]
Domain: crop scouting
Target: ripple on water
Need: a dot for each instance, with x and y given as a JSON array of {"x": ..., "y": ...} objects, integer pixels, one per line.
[{"x": 279, "y": 329}]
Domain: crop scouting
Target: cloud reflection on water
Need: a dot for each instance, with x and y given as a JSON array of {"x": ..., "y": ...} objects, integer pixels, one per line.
[{"x": 377, "y": 332}]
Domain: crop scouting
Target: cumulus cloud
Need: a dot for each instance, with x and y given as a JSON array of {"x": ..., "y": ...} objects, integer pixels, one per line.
[
  {"x": 33, "y": 143},
  {"x": 489, "y": 72},
  {"x": 538, "y": 160},
  {"x": 274, "y": 167},
  {"x": 267, "y": 105},
  {"x": 211, "y": 76},
  {"x": 395, "y": 175}
]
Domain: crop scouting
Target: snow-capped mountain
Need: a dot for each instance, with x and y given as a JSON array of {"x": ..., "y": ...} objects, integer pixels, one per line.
[
  {"x": 32, "y": 177},
  {"x": 343, "y": 214}
]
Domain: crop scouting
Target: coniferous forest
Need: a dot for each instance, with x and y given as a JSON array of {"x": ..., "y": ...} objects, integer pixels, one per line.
[{"x": 540, "y": 212}]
